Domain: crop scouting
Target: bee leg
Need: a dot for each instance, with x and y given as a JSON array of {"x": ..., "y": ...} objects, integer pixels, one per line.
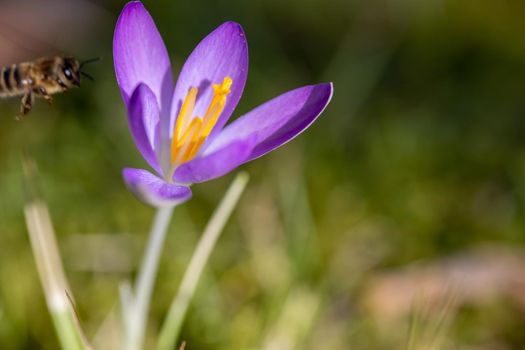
[
  {"x": 26, "y": 105},
  {"x": 43, "y": 92}
]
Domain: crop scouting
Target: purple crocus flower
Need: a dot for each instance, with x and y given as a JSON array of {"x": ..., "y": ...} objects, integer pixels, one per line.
[{"x": 180, "y": 128}]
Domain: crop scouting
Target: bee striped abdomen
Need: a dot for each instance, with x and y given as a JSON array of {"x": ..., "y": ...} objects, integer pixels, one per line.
[
  {"x": 17, "y": 78},
  {"x": 11, "y": 81},
  {"x": 6, "y": 78}
]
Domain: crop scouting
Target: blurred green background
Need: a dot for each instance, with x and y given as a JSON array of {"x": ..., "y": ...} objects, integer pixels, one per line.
[{"x": 396, "y": 221}]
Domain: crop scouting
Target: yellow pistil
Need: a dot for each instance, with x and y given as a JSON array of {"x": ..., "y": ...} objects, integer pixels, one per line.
[{"x": 191, "y": 131}]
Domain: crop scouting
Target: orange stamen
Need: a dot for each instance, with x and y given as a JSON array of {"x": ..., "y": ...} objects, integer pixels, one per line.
[
  {"x": 190, "y": 131},
  {"x": 186, "y": 143},
  {"x": 185, "y": 113}
]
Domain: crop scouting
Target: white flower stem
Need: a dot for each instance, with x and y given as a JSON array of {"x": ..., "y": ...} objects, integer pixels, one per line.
[
  {"x": 52, "y": 276},
  {"x": 179, "y": 306},
  {"x": 49, "y": 263},
  {"x": 70, "y": 338},
  {"x": 135, "y": 320}
]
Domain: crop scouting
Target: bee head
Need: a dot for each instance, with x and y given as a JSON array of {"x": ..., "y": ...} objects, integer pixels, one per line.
[{"x": 69, "y": 72}]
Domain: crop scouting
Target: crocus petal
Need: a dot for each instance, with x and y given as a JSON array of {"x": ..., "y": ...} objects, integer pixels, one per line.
[
  {"x": 140, "y": 56},
  {"x": 143, "y": 120},
  {"x": 216, "y": 164},
  {"x": 154, "y": 190},
  {"x": 277, "y": 121},
  {"x": 224, "y": 52}
]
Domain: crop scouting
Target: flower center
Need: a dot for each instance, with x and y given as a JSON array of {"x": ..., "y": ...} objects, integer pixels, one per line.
[{"x": 191, "y": 131}]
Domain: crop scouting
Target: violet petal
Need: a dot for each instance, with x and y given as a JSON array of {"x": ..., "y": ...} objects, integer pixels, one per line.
[
  {"x": 224, "y": 52},
  {"x": 277, "y": 121},
  {"x": 143, "y": 120},
  {"x": 216, "y": 164},
  {"x": 154, "y": 190},
  {"x": 140, "y": 56}
]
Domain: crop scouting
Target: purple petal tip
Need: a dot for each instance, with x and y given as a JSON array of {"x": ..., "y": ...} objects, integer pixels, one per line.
[
  {"x": 232, "y": 25},
  {"x": 131, "y": 8}
]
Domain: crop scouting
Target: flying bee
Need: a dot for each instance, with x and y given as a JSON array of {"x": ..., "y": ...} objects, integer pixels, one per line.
[{"x": 42, "y": 78}]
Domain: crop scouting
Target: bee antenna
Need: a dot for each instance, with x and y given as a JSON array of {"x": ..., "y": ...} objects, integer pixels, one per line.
[
  {"x": 91, "y": 60},
  {"x": 87, "y": 75}
]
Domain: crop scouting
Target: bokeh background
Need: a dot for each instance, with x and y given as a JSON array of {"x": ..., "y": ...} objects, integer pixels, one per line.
[{"x": 395, "y": 222}]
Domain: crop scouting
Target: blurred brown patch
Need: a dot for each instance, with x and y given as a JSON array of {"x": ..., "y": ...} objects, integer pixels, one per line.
[
  {"x": 477, "y": 276},
  {"x": 32, "y": 28}
]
